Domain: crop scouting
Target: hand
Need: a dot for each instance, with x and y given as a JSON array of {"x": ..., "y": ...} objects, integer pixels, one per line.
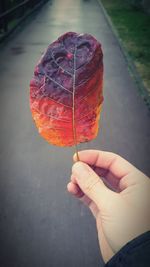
[{"x": 118, "y": 195}]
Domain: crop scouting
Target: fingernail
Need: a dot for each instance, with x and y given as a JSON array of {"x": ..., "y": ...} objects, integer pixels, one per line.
[{"x": 75, "y": 157}]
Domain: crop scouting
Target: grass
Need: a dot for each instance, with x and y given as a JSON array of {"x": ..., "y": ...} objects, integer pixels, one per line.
[{"x": 133, "y": 27}]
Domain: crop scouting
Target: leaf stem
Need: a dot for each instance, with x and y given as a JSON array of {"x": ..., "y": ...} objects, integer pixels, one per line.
[{"x": 73, "y": 109}]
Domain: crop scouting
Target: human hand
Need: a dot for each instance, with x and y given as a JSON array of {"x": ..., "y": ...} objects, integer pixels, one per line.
[{"x": 121, "y": 214}]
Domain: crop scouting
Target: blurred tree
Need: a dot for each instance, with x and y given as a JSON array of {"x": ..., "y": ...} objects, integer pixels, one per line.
[
  {"x": 146, "y": 5},
  {"x": 141, "y": 4},
  {"x": 136, "y": 3}
]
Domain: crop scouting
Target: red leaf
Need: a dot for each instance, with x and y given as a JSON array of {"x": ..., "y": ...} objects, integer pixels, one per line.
[{"x": 66, "y": 90}]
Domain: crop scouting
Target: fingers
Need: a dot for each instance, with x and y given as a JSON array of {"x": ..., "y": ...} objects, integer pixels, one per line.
[
  {"x": 91, "y": 184},
  {"x": 74, "y": 189},
  {"x": 115, "y": 164}
]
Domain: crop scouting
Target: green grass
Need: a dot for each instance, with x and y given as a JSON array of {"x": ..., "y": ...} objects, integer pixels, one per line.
[{"x": 133, "y": 27}]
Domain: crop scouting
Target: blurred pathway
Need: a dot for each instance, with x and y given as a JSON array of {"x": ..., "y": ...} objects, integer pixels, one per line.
[{"x": 40, "y": 224}]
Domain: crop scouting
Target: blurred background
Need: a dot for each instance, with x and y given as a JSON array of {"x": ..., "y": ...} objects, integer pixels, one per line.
[{"x": 40, "y": 223}]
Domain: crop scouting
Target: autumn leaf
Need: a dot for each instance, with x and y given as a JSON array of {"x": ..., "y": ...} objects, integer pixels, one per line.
[{"x": 66, "y": 90}]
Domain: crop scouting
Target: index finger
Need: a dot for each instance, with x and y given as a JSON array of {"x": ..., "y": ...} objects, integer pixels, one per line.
[{"x": 112, "y": 162}]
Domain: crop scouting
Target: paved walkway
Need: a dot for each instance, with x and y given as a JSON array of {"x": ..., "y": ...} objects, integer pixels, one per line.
[{"x": 40, "y": 224}]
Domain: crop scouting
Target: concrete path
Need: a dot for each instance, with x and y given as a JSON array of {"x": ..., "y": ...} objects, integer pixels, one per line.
[{"x": 40, "y": 224}]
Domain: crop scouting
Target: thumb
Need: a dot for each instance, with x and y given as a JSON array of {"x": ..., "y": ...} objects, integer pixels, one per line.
[{"x": 91, "y": 184}]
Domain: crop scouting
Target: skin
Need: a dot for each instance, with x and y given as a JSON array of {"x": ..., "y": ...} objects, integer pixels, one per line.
[{"x": 117, "y": 194}]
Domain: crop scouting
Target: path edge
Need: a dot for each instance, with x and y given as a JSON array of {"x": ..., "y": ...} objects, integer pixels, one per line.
[{"x": 132, "y": 68}]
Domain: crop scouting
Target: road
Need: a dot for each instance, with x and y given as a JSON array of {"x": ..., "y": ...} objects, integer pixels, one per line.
[{"x": 40, "y": 223}]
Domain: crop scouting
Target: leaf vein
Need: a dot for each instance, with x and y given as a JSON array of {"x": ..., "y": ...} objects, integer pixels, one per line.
[
  {"x": 61, "y": 66},
  {"x": 47, "y": 76},
  {"x": 48, "y": 115},
  {"x": 43, "y": 96}
]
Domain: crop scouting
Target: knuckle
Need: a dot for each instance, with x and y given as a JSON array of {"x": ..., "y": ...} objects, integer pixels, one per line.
[{"x": 91, "y": 184}]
